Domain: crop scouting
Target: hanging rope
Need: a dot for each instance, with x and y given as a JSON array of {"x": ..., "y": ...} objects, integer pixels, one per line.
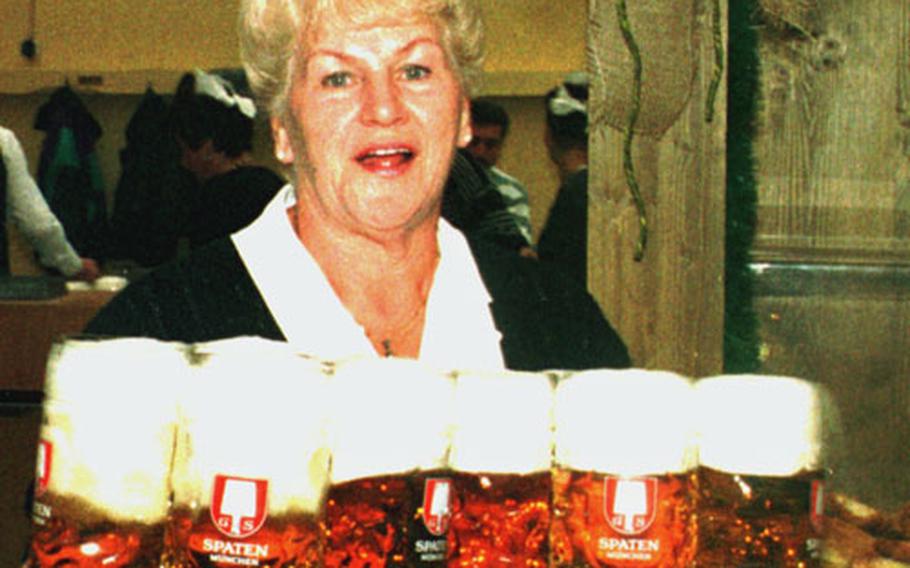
[
  {"x": 717, "y": 33},
  {"x": 628, "y": 166}
]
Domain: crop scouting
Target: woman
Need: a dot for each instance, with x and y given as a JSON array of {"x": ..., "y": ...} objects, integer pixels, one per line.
[
  {"x": 213, "y": 127},
  {"x": 369, "y": 101},
  {"x": 564, "y": 238}
]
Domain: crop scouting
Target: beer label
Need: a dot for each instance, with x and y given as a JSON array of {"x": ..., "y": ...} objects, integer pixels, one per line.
[
  {"x": 623, "y": 522},
  {"x": 437, "y": 505},
  {"x": 43, "y": 470},
  {"x": 817, "y": 505},
  {"x": 239, "y": 505},
  {"x": 630, "y": 504}
]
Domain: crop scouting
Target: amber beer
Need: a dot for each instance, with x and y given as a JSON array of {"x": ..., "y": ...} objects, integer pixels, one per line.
[
  {"x": 104, "y": 453},
  {"x": 501, "y": 455},
  {"x": 624, "y": 489},
  {"x": 390, "y": 498},
  {"x": 761, "y": 479},
  {"x": 251, "y": 462}
]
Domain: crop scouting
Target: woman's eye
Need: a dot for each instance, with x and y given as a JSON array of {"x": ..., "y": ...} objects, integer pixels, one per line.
[
  {"x": 336, "y": 80},
  {"x": 416, "y": 72}
]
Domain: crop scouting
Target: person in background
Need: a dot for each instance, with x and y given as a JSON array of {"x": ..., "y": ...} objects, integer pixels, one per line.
[
  {"x": 213, "y": 126},
  {"x": 472, "y": 204},
  {"x": 564, "y": 237},
  {"x": 368, "y": 103},
  {"x": 22, "y": 202},
  {"x": 489, "y": 127}
]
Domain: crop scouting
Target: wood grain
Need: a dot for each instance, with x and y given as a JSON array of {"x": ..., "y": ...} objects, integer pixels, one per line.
[
  {"x": 832, "y": 144},
  {"x": 669, "y": 306}
]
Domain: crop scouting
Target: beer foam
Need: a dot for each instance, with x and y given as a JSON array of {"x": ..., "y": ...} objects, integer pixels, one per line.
[
  {"x": 110, "y": 418},
  {"x": 388, "y": 416},
  {"x": 760, "y": 425},
  {"x": 629, "y": 422},
  {"x": 92, "y": 371},
  {"x": 253, "y": 409},
  {"x": 503, "y": 423}
]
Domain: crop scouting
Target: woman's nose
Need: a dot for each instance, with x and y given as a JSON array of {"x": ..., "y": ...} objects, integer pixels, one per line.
[{"x": 383, "y": 104}]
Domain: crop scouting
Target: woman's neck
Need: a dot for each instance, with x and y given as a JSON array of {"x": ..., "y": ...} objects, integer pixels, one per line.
[
  {"x": 219, "y": 165},
  {"x": 383, "y": 282},
  {"x": 571, "y": 161}
]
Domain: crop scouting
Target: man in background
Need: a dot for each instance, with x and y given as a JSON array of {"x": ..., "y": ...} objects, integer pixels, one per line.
[
  {"x": 23, "y": 203},
  {"x": 490, "y": 126}
]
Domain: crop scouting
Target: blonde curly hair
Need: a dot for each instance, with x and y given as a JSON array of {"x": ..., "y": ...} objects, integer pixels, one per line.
[{"x": 275, "y": 33}]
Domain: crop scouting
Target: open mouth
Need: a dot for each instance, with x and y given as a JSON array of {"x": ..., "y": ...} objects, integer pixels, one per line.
[{"x": 385, "y": 159}]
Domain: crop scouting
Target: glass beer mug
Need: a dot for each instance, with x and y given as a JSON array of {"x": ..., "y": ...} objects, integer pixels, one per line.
[
  {"x": 624, "y": 487},
  {"x": 104, "y": 453},
  {"x": 761, "y": 477},
  {"x": 389, "y": 503},
  {"x": 500, "y": 459},
  {"x": 251, "y": 463}
]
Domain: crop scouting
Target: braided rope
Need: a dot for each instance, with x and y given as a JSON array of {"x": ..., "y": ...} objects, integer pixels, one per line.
[{"x": 628, "y": 166}]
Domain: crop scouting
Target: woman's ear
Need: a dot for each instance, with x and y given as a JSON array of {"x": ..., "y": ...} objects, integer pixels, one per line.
[
  {"x": 464, "y": 124},
  {"x": 284, "y": 150}
]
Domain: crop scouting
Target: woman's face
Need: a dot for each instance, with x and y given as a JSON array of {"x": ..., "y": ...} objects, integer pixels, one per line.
[{"x": 375, "y": 116}]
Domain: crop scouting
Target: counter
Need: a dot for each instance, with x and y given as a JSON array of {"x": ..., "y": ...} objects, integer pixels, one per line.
[{"x": 28, "y": 328}]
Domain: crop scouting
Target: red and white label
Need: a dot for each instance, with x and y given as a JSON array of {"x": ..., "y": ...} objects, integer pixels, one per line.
[
  {"x": 239, "y": 505},
  {"x": 43, "y": 468},
  {"x": 630, "y": 504},
  {"x": 437, "y": 505}
]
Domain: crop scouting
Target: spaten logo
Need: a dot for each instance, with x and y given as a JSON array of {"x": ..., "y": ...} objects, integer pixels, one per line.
[
  {"x": 239, "y": 506},
  {"x": 43, "y": 470},
  {"x": 437, "y": 509},
  {"x": 630, "y": 504}
]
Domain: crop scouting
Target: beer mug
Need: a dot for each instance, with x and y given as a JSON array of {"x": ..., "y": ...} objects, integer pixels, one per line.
[
  {"x": 251, "y": 463},
  {"x": 761, "y": 473},
  {"x": 500, "y": 458},
  {"x": 104, "y": 453},
  {"x": 624, "y": 484},
  {"x": 389, "y": 503}
]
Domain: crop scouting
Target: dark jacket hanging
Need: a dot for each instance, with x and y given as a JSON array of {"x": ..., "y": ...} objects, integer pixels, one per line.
[
  {"x": 68, "y": 171},
  {"x": 151, "y": 206}
]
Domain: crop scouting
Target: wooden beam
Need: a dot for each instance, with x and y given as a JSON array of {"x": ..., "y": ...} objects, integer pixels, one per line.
[{"x": 668, "y": 306}]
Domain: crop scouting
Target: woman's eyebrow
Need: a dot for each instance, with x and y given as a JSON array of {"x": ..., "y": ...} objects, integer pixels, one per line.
[{"x": 347, "y": 56}]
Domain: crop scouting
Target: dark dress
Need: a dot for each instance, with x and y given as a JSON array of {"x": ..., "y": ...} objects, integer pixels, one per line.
[
  {"x": 564, "y": 238},
  {"x": 547, "y": 321},
  {"x": 229, "y": 202}
]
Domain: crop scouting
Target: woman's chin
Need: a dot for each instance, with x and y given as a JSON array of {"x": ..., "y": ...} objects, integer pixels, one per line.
[
  {"x": 390, "y": 218},
  {"x": 391, "y": 229}
]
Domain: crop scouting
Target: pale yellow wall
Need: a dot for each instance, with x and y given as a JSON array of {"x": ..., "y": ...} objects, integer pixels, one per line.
[
  {"x": 132, "y": 44},
  {"x": 528, "y": 40},
  {"x": 106, "y": 35}
]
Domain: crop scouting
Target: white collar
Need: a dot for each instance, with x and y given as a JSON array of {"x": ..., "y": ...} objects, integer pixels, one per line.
[{"x": 459, "y": 331}]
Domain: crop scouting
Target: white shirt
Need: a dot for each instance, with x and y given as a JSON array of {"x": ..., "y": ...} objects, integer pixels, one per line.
[
  {"x": 458, "y": 333},
  {"x": 26, "y": 207}
]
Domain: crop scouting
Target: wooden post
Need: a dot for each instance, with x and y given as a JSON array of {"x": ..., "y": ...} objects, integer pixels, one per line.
[{"x": 669, "y": 305}]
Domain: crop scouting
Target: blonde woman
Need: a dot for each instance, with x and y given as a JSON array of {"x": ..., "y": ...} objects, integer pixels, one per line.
[{"x": 368, "y": 103}]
